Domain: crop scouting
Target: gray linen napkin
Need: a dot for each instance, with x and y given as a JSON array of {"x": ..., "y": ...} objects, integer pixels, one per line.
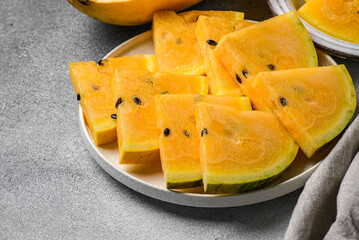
[{"x": 328, "y": 207}]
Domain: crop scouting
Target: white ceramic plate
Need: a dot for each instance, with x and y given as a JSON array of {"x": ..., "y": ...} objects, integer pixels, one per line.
[
  {"x": 149, "y": 180},
  {"x": 328, "y": 43}
]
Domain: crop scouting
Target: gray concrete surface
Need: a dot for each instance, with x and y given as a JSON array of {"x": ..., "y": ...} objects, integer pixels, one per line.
[{"x": 50, "y": 186}]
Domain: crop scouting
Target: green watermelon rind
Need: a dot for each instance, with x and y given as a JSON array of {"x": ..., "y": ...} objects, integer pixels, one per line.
[
  {"x": 223, "y": 188},
  {"x": 183, "y": 179},
  {"x": 185, "y": 184}
]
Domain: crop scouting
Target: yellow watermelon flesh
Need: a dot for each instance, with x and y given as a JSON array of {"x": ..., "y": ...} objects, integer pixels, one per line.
[
  {"x": 175, "y": 41},
  {"x": 209, "y": 31},
  {"x": 337, "y": 18},
  {"x": 314, "y": 104},
  {"x": 279, "y": 43},
  {"x": 93, "y": 85},
  {"x": 137, "y": 131},
  {"x": 179, "y": 140},
  {"x": 241, "y": 150}
]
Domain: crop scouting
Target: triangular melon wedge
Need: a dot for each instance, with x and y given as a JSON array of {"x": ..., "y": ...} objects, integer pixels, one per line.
[
  {"x": 279, "y": 43},
  {"x": 179, "y": 140},
  {"x": 241, "y": 150},
  {"x": 93, "y": 85},
  {"x": 209, "y": 31},
  {"x": 175, "y": 41},
  {"x": 137, "y": 129},
  {"x": 314, "y": 104},
  {"x": 338, "y": 18}
]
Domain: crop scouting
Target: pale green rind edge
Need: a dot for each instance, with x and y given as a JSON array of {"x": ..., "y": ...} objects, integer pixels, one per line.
[
  {"x": 185, "y": 184},
  {"x": 306, "y": 38},
  {"x": 216, "y": 188}
]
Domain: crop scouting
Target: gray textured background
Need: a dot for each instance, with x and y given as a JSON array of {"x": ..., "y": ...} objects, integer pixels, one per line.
[{"x": 50, "y": 186}]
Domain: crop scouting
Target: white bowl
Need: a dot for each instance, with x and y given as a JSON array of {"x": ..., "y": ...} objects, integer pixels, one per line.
[{"x": 323, "y": 41}]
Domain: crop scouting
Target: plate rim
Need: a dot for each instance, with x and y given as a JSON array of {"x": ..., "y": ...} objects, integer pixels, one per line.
[
  {"x": 332, "y": 45},
  {"x": 188, "y": 199}
]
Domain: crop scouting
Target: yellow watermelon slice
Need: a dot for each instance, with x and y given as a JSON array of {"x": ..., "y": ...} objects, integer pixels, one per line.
[
  {"x": 241, "y": 150},
  {"x": 175, "y": 41},
  {"x": 93, "y": 85},
  {"x": 179, "y": 140},
  {"x": 338, "y": 18},
  {"x": 209, "y": 31},
  {"x": 137, "y": 131},
  {"x": 314, "y": 104},
  {"x": 279, "y": 43}
]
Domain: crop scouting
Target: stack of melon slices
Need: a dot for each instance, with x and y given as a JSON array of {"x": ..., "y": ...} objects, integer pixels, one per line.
[{"x": 190, "y": 105}]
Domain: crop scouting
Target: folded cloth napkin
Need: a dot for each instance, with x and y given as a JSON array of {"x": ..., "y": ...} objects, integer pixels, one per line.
[{"x": 328, "y": 207}]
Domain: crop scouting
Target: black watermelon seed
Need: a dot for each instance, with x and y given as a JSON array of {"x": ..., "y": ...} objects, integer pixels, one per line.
[
  {"x": 137, "y": 100},
  {"x": 212, "y": 42},
  {"x": 166, "y": 132},
  {"x": 165, "y": 92},
  {"x": 149, "y": 82},
  {"x": 78, "y": 97},
  {"x": 238, "y": 78},
  {"x": 114, "y": 116},
  {"x": 179, "y": 41},
  {"x": 100, "y": 63},
  {"x": 96, "y": 88},
  {"x": 271, "y": 67},
  {"x": 186, "y": 133},
  {"x": 245, "y": 73},
  {"x": 119, "y": 101},
  {"x": 283, "y": 101},
  {"x": 84, "y": 2},
  {"x": 204, "y": 132}
]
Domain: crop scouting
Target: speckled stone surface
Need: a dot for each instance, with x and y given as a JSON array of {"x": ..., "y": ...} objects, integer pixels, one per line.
[{"x": 50, "y": 186}]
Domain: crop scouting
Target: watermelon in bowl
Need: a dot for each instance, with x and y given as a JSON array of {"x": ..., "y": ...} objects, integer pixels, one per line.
[{"x": 336, "y": 38}]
